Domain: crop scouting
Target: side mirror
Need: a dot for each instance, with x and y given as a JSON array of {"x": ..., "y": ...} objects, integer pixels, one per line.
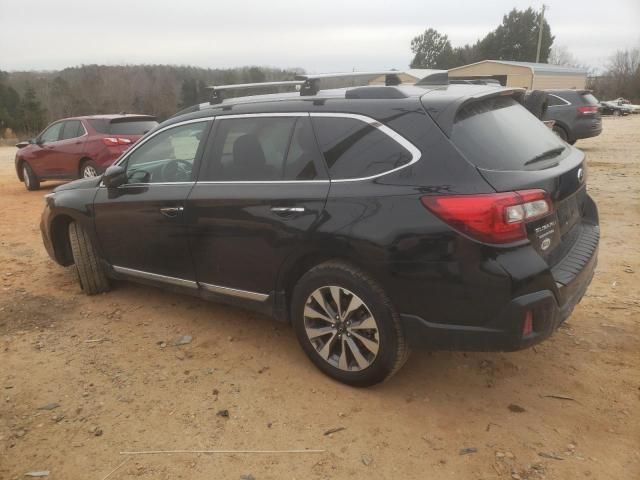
[
  {"x": 114, "y": 176},
  {"x": 23, "y": 144}
]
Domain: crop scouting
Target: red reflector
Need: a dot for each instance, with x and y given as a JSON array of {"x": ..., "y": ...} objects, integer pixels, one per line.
[
  {"x": 588, "y": 110},
  {"x": 491, "y": 218},
  {"x": 527, "y": 326}
]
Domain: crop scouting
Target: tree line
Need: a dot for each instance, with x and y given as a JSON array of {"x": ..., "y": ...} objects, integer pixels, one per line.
[
  {"x": 515, "y": 39},
  {"x": 31, "y": 100}
]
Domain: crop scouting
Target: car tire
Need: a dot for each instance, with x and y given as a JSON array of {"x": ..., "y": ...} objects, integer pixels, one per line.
[
  {"x": 31, "y": 182},
  {"x": 364, "y": 345},
  {"x": 89, "y": 169},
  {"x": 90, "y": 271},
  {"x": 617, "y": 113},
  {"x": 561, "y": 132}
]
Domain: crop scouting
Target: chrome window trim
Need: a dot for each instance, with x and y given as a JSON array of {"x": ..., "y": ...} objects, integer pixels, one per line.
[
  {"x": 416, "y": 154},
  {"x": 234, "y": 292},
  {"x": 566, "y": 102},
  {"x": 156, "y": 276},
  {"x": 412, "y": 149}
]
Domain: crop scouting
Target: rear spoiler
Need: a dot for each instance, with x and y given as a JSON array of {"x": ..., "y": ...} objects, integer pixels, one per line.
[
  {"x": 133, "y": 118},
  {"x": 445, "y": 117}
]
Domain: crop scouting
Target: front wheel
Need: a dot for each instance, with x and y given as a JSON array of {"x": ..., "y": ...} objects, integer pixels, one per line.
[
  {"x": 347, "y": 326},
  {"x": 91, "y": 274},
  {"x": 31, "y": 181}
]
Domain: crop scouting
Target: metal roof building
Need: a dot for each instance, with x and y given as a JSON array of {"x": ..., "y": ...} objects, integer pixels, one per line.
[{"x": 529, "y": 75}]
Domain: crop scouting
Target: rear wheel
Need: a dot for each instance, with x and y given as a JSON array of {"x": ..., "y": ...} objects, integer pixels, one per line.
[
  {"x": 561, "y": 132},
  {"x": 347, "y": 326},
  {"x": 91, "y": 274},
  {"x": 31, "y": 182},
  {"x": 89, "y": 169}
]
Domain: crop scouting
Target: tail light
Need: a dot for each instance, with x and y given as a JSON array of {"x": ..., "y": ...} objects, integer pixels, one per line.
[
  {"x": 491, "y": 218},
  {"x": 115, "y": 141},
  {"x": 590, "y": 110},
  {"x": 527, "y": 325}
]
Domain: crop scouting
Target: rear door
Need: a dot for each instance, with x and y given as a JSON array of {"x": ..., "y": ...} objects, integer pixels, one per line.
[
  {"x": 141, "y": 224},
  {"x": 259, "y": 197}
]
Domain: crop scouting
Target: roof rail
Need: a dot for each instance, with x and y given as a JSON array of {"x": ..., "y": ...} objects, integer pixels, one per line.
[
  {"x": 217, "y": 95},
  {"x": 310, "y": 84}
]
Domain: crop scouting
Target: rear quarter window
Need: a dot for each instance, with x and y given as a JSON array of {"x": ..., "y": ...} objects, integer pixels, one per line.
[
  {"x": 500, "y": 134},
  {"x": 355, "y": 149}
]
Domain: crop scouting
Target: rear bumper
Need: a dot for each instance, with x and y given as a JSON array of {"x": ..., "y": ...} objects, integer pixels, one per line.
[
  {"x": 550, "y": 309},
  {"x": 587, "y": 129}
]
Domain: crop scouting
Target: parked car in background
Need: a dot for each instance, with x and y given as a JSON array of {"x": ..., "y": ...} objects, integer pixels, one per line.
[
  {"x": 375, "y": 219},
  {"x": 626, "y": 104},
  {"x": 78, "y": 147},
  {"x": 576, "y": 114},
  {"x": 613, "y": 109}
]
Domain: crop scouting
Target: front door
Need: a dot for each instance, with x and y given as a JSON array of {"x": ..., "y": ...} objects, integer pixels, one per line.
[
  {"x": 261, "y": 191},
  {"x": 43, "y": 159},
  {"x": 141, "y": 224}
]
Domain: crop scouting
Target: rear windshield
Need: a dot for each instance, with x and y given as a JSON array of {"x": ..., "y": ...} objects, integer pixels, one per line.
[
  {"x": 123, "y": 127},
  {"x": 589, "y": 99},
  {"x": 500, "y": 134}
]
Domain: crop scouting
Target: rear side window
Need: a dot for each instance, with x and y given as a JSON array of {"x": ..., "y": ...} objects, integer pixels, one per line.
[
  {"x": 72, "y": 129},
  {"x": 355, "y": 149},
  {"x": 122, "y": 127},
  {"x": 554, "y": 101},
  {"x": 500, "y": 134},
  {"x": 262, "y": 149},
  {"x": 589, "y": 99}
]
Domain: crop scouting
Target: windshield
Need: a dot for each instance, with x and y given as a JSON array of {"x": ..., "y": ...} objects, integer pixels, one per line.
[{"x": 500, "y": 134}]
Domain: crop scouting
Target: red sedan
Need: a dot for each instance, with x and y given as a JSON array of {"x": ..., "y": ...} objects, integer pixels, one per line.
[{"x": 78, "y": 147}]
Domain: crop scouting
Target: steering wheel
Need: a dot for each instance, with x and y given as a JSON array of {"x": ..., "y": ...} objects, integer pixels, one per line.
[{"x": 176, "y": 171}]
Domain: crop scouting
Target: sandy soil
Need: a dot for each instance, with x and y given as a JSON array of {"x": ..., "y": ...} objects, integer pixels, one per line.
[{"x": 119, "y": 388}]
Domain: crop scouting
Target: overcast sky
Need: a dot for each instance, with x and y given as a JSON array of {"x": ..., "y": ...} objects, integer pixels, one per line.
[{"x": 320, "y": 35}]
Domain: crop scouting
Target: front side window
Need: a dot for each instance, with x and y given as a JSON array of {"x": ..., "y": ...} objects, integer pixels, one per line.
[
  {"x": 262, "y": 149},
  {"x": 72, "y": 129},
  {"x": 355, "y": 149},
  {"x": 52, "y": 134},
  {"x": 168, "y": 156}
]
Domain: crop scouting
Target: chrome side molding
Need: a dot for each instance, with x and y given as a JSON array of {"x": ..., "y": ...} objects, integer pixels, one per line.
[
  {"x": 233, "y": 292},
  {"x": 156, "y": 276},
  {"x": 259, "y": 297}
]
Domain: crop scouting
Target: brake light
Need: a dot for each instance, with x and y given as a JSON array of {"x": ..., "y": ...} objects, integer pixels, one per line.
[
  {"x": 590, "y": 110},
  {"x": 114, "y": 141},
  {"x": 491, "y": 218}
]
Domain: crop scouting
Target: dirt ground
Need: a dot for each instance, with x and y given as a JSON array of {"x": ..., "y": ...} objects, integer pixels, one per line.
[{"x": 568, "y": 409}]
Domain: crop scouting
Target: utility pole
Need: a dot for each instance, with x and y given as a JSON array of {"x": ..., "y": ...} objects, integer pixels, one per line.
[{"x": 540, "y": 33}]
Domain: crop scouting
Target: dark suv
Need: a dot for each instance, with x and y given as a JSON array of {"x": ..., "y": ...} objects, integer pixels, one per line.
[
  {"x": 576, "y": 114},
  {"x": 375, "y": 219}
]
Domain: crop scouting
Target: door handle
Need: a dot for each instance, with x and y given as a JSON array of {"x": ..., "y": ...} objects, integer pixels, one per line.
[
  {"x": 285, "y": 211},
  {"x": 171, "y": 212}
]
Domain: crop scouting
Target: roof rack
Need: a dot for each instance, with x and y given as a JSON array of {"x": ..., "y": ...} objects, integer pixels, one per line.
[{"x": 310, "y": 84}]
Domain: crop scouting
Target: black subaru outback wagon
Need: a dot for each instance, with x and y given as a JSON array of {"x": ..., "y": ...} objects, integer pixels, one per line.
[{"x": 375, "y": 219}]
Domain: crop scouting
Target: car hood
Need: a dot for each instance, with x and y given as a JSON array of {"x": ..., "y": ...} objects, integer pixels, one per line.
[{"x": 80, "y": 184}]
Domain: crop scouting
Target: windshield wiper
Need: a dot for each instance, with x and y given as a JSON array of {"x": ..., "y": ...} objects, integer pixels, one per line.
[{"x": 554, "y": 152}]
